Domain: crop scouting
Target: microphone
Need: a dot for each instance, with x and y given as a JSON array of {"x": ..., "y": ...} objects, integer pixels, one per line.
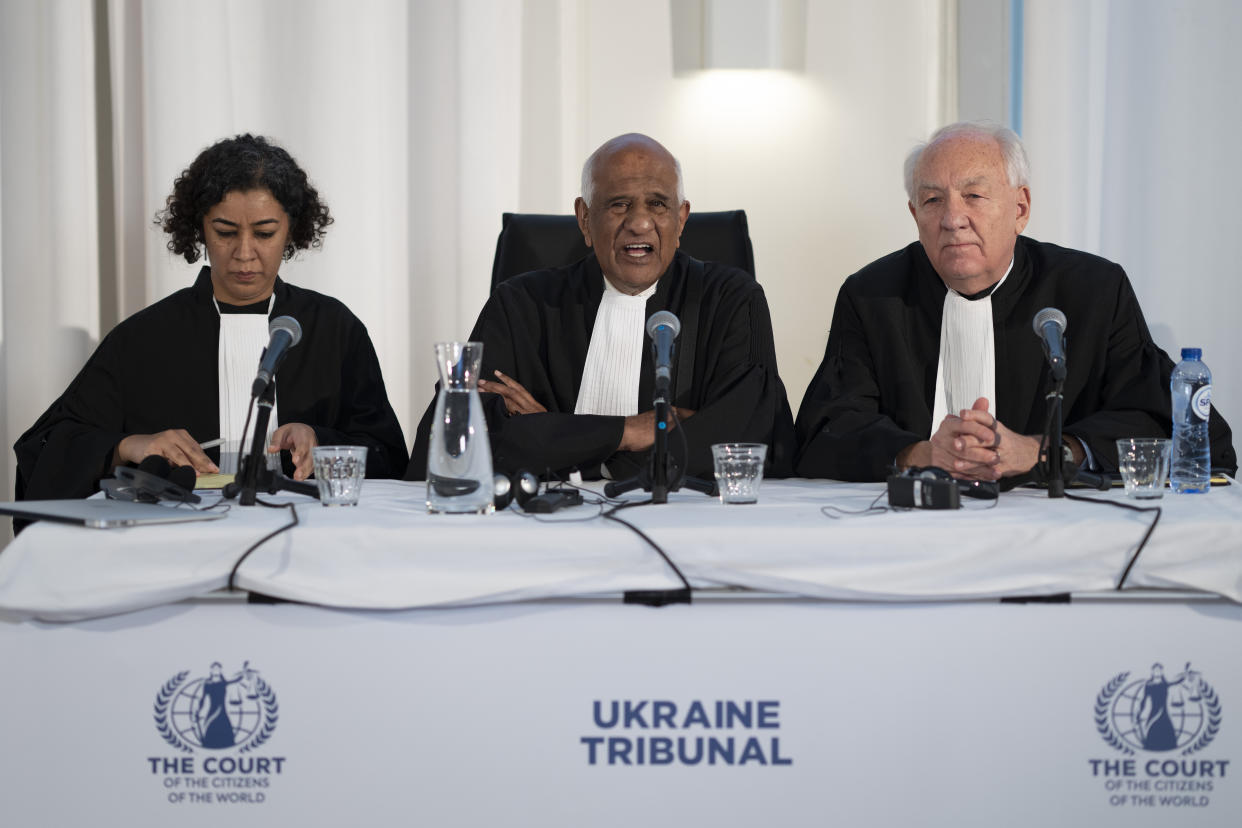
[
  {"x": 663, "y": 328},
  {"x": 285, "y": 332},
  {"x": 1049, "y": 325}
]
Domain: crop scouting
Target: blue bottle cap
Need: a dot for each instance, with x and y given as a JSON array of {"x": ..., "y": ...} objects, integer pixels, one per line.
[{"x": 1192, "y": 353}]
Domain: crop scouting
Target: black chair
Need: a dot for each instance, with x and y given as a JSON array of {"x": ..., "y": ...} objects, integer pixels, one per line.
[{"x": 529, "y": 241}]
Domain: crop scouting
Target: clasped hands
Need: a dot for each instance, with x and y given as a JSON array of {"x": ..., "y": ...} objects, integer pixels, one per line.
[
  {"x": 974, "y": 445},
  {"x": 180, "y": 449},
  {"x": 639, "y": 433}
]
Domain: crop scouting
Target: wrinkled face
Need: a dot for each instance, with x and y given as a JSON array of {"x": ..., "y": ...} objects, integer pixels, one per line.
[
  {"x": 969, "y": 215},
  {"x": 633, "y": 221},
  {"x": 245, "y": 236}
]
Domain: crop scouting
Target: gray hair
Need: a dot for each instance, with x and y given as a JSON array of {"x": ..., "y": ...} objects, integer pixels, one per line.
[
  {"x": 588, "y": 167},
  {"x": 1017, "y": 167}
]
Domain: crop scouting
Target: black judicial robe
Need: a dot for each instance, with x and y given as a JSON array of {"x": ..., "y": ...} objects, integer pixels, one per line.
[
  {"x": 536, "y": 328},
  {"x": 159, "y": 369},
  {"x": 873, "y": 393}
]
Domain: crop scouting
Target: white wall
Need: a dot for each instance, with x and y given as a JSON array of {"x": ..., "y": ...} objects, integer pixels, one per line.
[{"x": 814, "y": 157}]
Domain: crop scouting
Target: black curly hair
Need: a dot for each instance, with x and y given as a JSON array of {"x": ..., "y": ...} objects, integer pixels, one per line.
[{"x": 247, "y": 162}]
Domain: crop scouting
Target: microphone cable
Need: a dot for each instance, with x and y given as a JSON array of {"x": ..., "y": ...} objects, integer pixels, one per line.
[
  {"x": 1121, "y": 582},
  {"x": 651, "y": 597},
  {"x": 1043, "y": 464},
  {"x": 1044, "y": 467},
  {"x": 293, "y": 511},
  {"x": 872, "y": 509}
]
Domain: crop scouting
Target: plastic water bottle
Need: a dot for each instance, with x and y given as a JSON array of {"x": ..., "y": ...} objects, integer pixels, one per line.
[{"x": 1190, "y": 468}]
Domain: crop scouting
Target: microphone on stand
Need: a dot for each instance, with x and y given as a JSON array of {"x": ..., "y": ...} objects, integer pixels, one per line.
[
  {"x": 284, "y": 333},
  {"x": 663, "y": 474},
  {"x": 1049, "y": 325},
  {"x": 663, "y": 328},
  {"x": 253, "y": 475}
]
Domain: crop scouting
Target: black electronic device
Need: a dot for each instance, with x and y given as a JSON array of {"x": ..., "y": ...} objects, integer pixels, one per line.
[
  {"x": 923, "y": 488},
  {"x": 154, "y": 480},
  {"x": 520, "y": 487},
  {"x": 981, "y": 489},
  {"x": 552, "y": 500}
]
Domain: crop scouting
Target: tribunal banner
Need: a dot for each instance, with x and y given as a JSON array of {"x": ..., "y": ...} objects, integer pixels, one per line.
[{"x": 742, "y": 712}]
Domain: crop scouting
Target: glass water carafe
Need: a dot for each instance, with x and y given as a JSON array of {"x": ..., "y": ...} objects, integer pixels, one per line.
[{"x": 459, "y": 461}]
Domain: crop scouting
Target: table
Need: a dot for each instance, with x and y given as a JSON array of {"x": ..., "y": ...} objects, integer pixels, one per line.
[
  {"x": 754, "y": 708},
  {"x": 389, "y": 553}
]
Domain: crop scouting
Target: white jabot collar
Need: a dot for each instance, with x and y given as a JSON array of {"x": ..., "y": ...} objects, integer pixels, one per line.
[
  {"x": 615, "y": 354},
  {"x": 966, "y": 368},
  {"x": 243, "y": 336}
]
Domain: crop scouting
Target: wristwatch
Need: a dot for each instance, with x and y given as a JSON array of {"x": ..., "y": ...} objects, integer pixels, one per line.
[{"x": 1067, "y": 453}]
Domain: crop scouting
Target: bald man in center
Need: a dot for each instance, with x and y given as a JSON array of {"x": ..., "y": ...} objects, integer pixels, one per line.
[{"x": 568, "y": 371}]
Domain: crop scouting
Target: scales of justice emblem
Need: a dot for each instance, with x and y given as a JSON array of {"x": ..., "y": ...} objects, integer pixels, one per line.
[
  {"x": 1158, "y": 714},
  {"x": 216, "y": 711}
]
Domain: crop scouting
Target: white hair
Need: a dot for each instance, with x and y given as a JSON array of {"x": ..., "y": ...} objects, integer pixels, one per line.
[
  {"x": 588, "y": 169},
  {"x": 1017, "y": 167}
]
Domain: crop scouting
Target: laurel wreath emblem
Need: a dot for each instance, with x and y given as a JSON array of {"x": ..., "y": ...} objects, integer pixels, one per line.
[
  {"x": 1103, "y": 703},
  {"x": 162, "y": 700},
  {"x": 168, "y": 692},
  {"x": 271, "y": 712},
  {"x": 1211, "y": 703}
]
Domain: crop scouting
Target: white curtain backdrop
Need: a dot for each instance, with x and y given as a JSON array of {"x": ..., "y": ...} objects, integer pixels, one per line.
[
  {"x": 1132, "y": 119},
  {"x": 49, "y": 256},
  {"x": 421, "y": 122}
]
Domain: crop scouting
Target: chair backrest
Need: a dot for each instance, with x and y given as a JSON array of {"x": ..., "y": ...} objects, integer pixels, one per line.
[{"x": 529, "y": 241}]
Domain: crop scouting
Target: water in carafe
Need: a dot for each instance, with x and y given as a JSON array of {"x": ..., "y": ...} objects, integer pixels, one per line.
[{"x": 459, "y": 460}]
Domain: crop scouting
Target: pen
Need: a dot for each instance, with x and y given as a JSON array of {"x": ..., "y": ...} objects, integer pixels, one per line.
[{"x": 212, "y": 443}]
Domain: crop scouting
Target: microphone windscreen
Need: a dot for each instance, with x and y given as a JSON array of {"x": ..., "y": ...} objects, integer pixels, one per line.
[
  {"x": 287, "y": 324},
  {"x": 663, "y": 318},
  {"x": 1048, "y": 315},
  {"x": 183, "y": 476},
  {"x": 156, "y": 465}
]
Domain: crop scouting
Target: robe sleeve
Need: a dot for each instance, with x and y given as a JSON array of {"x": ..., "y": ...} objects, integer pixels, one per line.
[
  {"x": 365, "y": 416},
  {"x": 68, "y": 449},
  {"x": 740, "y": 393},
  {"x": 843, "y": 432}
]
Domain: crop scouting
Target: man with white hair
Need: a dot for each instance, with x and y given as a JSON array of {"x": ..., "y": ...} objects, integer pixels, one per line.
[
  {"x": 568, "y": 373},
  {"x": 931, "y": 357}
]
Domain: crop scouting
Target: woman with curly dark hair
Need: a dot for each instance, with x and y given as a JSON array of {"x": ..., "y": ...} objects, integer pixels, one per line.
[{"x": 178, "y": 374}]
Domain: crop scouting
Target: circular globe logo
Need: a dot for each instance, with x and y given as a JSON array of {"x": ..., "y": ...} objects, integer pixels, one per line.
[
  {"x": 1158, "y": 713},
  {"x": 216, "y": 711}
]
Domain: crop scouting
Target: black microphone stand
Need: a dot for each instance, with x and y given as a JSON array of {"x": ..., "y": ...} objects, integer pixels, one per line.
[
  {"x": 1052, "y": 447},
  {"x": 663, "y": 473},
  {"x": 254, "y": 475},
  {"x": 659, "y": 470},
  {"x": 1058, "y": 474}
]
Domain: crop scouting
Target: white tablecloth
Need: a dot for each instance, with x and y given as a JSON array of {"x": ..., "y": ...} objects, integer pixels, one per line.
[{"x": 390, "y": 553}]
